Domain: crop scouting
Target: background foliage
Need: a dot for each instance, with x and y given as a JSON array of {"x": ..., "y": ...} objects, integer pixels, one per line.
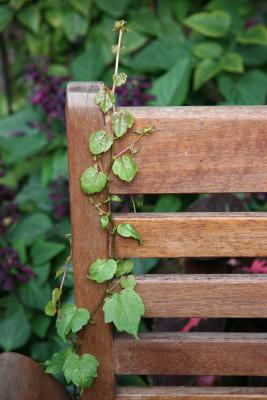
[{"x": 178, "y": 53}]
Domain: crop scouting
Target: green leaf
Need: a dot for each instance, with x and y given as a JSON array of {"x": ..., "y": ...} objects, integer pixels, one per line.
[
  {"x": 40, "y": 325},
  {"x": 70, "y": 320},
  {"x": 205, "y": 71},
  {"x": 255, "y": 35},
  {"x": 104, "y": 221},
  {"x": 124, "y": 309},
  {"x": 88, "y": 65},
  {"x": 232, "y": 62},
  {"x": 248, "y": 89},
  {"x": 30, "y": 17},
  {"x": 213, "y": 24},
  {"x": 119, "y": 79},
  {"x": 93, "y": 181},
  {"x": 105, "y": 99},
  {"x": 80, "y": 370},
  {"x": 55, "y": 365},
  {"x": 51, "y": 307},
  {"x": 20, "y": 148},
  {"x": 31, "y": 228},
  {"x": 121, "y": 121},
  {"x": 168, "y": 203},
  {"x": 115, "y": 8},
  {"x": 34, "y": 295},
  {"x": 128, "y": 231},
  {"x": 82, "y": 6},
  {"x": 102, "y": 270},
  {"x": 43, "y": 251},
  {"x": 144, "y": 20},
  {"x": 208, "y": 50},
  {"x": 6, "y": 15},
  {"x": 124, "y": 267},
  {"x": 172, "y": 87},
  {"x": 14, "y": 326},
  {"x": 74, "y": 24},
  {"x": 125, "y": 168},
  {"x": 99, "y": 142},
  {"x": 128, "y": 282},
  {"x": 115, "y": 198}
]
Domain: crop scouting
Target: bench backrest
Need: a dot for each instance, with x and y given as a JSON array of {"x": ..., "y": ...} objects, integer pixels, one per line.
[{"x": 193, "y": 150}]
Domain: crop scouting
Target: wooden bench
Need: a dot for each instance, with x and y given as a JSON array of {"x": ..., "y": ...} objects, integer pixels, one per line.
[{"x": 193, "y": 150}]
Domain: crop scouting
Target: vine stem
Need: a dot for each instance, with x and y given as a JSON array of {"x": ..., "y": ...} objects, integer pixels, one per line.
[
  {"x": 117, "y": 61},
  {"x": 129, "y": 147}
]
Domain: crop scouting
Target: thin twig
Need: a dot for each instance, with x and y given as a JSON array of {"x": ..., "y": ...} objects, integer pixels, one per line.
[
  {"x": 129, "y": 147},
  {"x": 133, "y": 203}
]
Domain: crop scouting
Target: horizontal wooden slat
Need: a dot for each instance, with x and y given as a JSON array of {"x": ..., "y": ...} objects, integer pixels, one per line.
[
  {"x": 195, "y": 235},
  {"x": 198, "y": 150},
  {"x": 192, "y": 393},
  {"x": 204, "y": 295},
  {"x": 239, "y": 354}
]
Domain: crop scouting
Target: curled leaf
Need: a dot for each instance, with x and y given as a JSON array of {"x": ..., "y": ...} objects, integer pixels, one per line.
[
  {"x": 125, "y": 168},
  {"x": 105, "y": 99},
  {"x": 99, "y": 142},
  {"x": 93, "y": 181},
  {"x": 128, "y": 231},
  {"x": 145, "y": 130},
  {"x": 119, "y": 79},
  {"x": 51, "y": 307},
  {"x": 124, "y": 267},
  {"x": 102, "y": 270}
]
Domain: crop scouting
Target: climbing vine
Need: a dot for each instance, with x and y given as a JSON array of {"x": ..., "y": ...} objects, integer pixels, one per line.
[{"x": 122, "y": 305}]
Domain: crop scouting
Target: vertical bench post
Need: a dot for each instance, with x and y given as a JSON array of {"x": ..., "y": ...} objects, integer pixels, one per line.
[{"x": 89, "y": 240}]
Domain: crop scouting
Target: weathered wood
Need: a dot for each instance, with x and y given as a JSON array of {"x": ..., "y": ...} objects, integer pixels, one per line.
[
  {"x": 240, "y": 354},
  {"x": 22, "y": 379},
  {"x": 239, "y": 296},
  {"x": 192, "y": 393},
  {"x": 195, "y": 235},
  {"x": 89, "y": 241},
  {"x": 199, "y": 150}
]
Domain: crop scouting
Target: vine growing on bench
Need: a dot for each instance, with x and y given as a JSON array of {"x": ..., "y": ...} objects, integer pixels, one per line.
[{"x": 122, "y": 305}]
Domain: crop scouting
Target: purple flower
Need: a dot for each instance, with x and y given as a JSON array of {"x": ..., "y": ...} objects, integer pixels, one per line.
[
  {"x": 12, "y": 271},
  {"x": 9, "y": 210},
  {"x": 134, "y": 92}
]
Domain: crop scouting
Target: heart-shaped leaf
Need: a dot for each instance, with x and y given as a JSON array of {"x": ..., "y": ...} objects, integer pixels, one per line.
[
  {"x": 102, "y": 270},
  {"x": 124, "y": 267},
  {"x": 213, "y": 24},
  {"x": 99, "y": 142},
  {"x": 121, "y": 121},
  {"x": 124, "y": 309},
  {"x": 125, "y": 168},
  {"x": 93, "y": 181},
  {"x": 70, "y": 320},
  {"x": 127, "y": 230},
  {"x": 105, "y": 99},
  {"x": 80, "y": 370}
]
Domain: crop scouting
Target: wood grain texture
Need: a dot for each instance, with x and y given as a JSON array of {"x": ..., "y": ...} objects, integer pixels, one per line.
[
  {"x": 195, "y": 235},
  {"x": 198, "y": 150},
  {"x": 240, "y": 354},
  {"x": 239, "y": 296},
  {"x": 21, "y": 378},
  {"x": 192, "y": 393},
  {"x": 89, "y": 241}
]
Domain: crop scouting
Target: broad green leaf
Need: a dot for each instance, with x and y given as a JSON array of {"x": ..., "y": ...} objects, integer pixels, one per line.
[
  {"x": 125, "y": 168},
  {"x": 40, "y": 325},
  {"x": 6, "y": 15},
  {"x": 213, "y": 24},
  {"x": 205, "y": 71},
  {"x": 121, "y": 121},
  {"x": 172, "y": 87},
  {"x": 248, "y": 89},
  {"x": 128, "y": 282},
  {"x": 74, "y": 24},
  {"x": 80, "y": 370},
  {"x": 102, "y": 270},
  {"x": 21, "y": 118},
  {"x": 54, "y": 17},
  {"x": 15, "y": 329},
  {"x": 15, "y": 149},
  {"x": 55, "y": 365},
  {"x": 51, "y": 307},
  {"x": 82, "y": 6},
  {"x": 144, "y": 21},
  {"x": 30, "y": 17},
  {"x": 128, "y": 231},
  {"x": 88, "y": 65},
  {"x": 99, "y": 142},
  {"x": 33, "y": 295},
  {"x": 208, "y": 50},
  {"x": 255, "y": 35},
  {"x": 124, "y": 267},
  {"x": 70, "y": 320},
  {"x": 232, "y": 62},
  {"x": 105, "y": 99},
  {"x": 168, "y": 203},
  {"x": 93, "y": 181},
  {"x": 124, "y": 309},
  {"x": 115, "y": 8},
  {"x": 133, "y": 41},
  {"x": 17, "y": 4},
  {"x": 104, "y": 221},
  {"x": 119, "y": 79},
  {"x": 43, "y": 251},
  {"x": 31, "y": 228}
]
